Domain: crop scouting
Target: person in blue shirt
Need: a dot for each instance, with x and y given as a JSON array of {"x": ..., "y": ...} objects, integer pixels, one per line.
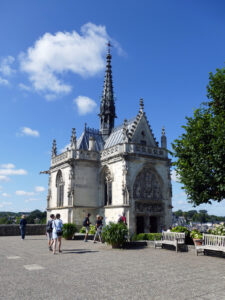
[
  {"x": 23, "y": 223},
  {"x": 57, "y": 232}
]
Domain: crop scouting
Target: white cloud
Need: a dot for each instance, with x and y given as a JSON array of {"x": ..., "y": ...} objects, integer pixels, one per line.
[
  {"x": 24, "y": 193},
  {"x": 31, "y": 200},
  {"x": 174, "y": 176},
  {"x": 8, "y": 172},
  {"x": 4, "y": 204},
  {"x": 29, "y": 132},
  {"x": 39, "y": 189},
  {"x": 8, "y": 166},
  {"x": 5, "y": 66},
  {"x": 4, "y": 178},
  {"x": 85, "y": 105},
  {"x": 5, "y": 195},
  {"x": 24, "y": 87},
  {"x": 55, "y": 54},
  {"x": 3, "y": 81}
]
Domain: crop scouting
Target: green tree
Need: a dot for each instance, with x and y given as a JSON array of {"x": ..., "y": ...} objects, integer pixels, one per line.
[{"x": 200, "y": 151}]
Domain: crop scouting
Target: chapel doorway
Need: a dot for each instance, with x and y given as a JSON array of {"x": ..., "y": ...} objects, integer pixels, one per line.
[
  {"x": 140, "y": 224},
  {"x": 153, "y": 224}
]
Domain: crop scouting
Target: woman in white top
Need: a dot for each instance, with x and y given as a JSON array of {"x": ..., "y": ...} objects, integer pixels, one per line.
[{"x": 57, "y": 225}]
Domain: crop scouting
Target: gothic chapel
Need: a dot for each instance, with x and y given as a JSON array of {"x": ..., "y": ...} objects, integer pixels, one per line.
[{"x": 113, "y": 170}]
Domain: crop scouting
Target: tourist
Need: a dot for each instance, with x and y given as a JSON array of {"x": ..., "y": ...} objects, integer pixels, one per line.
[
  {"x": 98, "y": 227},
  {"x": 122, "y": 219},
  {"x": 23, "y": 224},
  {"x": 86, "y": 224},
  {"x": 57, "y": 232},
  {"x": 169, "y": 229},
  {"x": 49, "y": 229}
]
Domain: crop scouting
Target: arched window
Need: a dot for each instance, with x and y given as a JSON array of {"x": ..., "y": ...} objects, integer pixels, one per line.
[
  {"x": 107, "y": 188},
  {"x": 60, "y": 188}
]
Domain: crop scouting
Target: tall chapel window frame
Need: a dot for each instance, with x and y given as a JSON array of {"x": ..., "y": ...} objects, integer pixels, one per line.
[
  {"x": 107, "y": 189},
  {"x": 60, "y": 189}
]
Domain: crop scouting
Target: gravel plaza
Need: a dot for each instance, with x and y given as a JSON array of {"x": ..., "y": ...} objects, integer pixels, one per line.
[{"x": 95, "y": 271}]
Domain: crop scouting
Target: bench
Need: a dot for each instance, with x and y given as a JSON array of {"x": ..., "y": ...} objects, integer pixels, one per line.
[
  {"x": 171, "y": 238},
  {"x": 211, "y": 242}
]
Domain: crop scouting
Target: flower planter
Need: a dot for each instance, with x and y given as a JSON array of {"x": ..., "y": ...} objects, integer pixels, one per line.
[{"x": 197, "y": 242}]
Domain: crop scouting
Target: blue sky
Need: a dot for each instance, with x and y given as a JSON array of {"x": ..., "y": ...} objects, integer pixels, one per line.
[{"x": 52, "y": 60}]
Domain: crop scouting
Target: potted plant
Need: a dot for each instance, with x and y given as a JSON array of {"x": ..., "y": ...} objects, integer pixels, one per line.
[
  {"x": 68, "y": 231},
  {"x": 197, "y": 237},
  {"x": 115, "y": 234}
]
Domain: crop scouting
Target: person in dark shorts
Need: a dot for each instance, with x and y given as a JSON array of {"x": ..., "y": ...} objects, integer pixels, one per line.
[
  {"x": 57, "y": 232},
  {"x": 23, "y": 224},
  {"x": 49, "y": 229},
  {"x": 86, "y": 224}
]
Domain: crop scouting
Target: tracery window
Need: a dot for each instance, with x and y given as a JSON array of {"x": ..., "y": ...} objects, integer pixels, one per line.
[{"x": 60, "y": 189}]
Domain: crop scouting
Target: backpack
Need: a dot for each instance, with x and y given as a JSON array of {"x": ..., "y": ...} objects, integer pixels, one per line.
[{"x": 49, "y": 226}]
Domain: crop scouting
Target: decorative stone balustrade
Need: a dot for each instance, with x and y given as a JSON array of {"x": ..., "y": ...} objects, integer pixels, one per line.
[
  {"x": 85, "y": 154},
  {"x": 133, "y": 148},
  {"x": 60, "y": 158},
  {"x": 77, "y": 154}
]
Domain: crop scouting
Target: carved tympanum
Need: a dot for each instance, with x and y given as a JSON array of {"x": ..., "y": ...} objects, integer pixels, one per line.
[
  {"x": 148, "y": 208},
  {"x": 147, "y": 186}
]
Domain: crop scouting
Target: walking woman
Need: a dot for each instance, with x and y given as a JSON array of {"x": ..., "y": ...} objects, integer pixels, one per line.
[
  {"x": 57, "y": 232},
  {"x": 98, "y": 227}
]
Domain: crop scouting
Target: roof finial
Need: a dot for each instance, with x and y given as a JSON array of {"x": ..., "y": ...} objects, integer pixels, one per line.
[
  {"x": 73, "y": 140},
  {"x": 141, "y": 105},
  {"x": 109, "y": 46},
  {"x": 125, "y": 131},
  {"x": 163, "y": 139},
  {"x": 54, "y": 148},
  {"x": 85, "y": 126}
]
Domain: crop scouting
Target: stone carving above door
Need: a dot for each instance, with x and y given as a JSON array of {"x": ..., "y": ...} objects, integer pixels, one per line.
[
  {"x": 147, "y": 186},
  {"x": 147, "y": 208}
]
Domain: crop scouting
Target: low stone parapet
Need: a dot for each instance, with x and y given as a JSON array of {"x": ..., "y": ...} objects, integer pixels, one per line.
[{"x": 14, "y": 229}]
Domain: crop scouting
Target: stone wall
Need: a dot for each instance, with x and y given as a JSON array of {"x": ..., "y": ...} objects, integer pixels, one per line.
[{"x": 32, "y": 229}]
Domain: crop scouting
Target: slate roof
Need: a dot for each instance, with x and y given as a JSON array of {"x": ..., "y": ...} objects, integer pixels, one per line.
[
  {"x": 83, "y": 141},
  {"x": 116, "y": 136}
]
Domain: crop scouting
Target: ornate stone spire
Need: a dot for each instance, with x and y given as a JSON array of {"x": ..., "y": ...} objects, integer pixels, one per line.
[
  {"x": 73, "y": 140},
  {"x": 54, "y": 148},
  {"x": 141, "y": 105},
  {"x": 125, "y": 132},
  {"x": 107, "y": 108},
  {"x": 163, "y": 139}
]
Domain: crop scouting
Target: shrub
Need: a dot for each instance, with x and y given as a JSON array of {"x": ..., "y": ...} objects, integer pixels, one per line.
[
  {"x": 218, "y": 230},
  {"x": 68, "y": 230},
  {"x": 115, "y": 234},
  {"x": 196, "y": 234},
  {"x": 146, "y": 236},
  {"x": 91, "y": 231},
  {"x": 181, "y": 229},
  {"x": 188, "y": 239}
]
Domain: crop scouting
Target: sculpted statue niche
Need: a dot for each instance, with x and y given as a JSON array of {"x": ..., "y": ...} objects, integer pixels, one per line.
[{"x": 147, "y": 186}]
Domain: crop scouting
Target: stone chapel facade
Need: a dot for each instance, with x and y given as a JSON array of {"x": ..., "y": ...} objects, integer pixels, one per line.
[{"x": 112, "y": 171}]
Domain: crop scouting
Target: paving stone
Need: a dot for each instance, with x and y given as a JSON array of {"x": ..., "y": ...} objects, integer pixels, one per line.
[{"x": 95, "y": 271}]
